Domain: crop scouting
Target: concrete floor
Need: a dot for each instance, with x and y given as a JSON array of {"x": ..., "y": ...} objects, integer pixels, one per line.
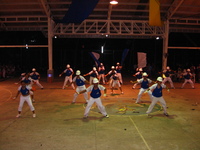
[{"x": 59, "y": 125}]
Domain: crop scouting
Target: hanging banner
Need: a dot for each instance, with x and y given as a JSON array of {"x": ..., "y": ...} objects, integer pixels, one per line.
[
  {"x": 95, "y": 56},
  {"x": 125, "y": 52},
  {"x": 141, "y": 60},
  {"x": 154, "y": 13}
]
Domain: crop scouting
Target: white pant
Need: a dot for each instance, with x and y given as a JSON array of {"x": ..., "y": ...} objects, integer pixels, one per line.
[
  {"x": 116, "y": 82},
  {"x": 120, "y": 77},
  {"x": 38, "y": 83},
  {"x": 68, "y": 78},
  {"x": 154, "y": 101},
  {"x": 99, "y": 105},
  {"x": 102, "y": 76},
  {"x": 79, "y": 89},
  {"x": 188, "y": 80},
  {"x": 28, "y": 100},
  {"x": 170, "y": 81},
  {"x": 142, "y": 90},
  {"x": 134, "y": 86}
]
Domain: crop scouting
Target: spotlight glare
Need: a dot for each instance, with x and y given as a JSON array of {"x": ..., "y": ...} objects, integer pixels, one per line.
[{"x": 113, "y": 2}]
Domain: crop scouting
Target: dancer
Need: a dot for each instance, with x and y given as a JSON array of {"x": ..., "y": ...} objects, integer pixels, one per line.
[
  {"x": 111, "y": 73},
  {"x": 36, "y": 76},
  {"x": 95, "y": 95},
  {"x": 25, "y": 96},
  {"x": 93, "y": 74},
  {"x": 80, "y": 82},
  {"x": 68, "y": 76},
  {"x": 167, "y": 76},
  {"x": 188, "y": 75},
  {"x": 116, "y": 81},
  {"x": 144, "y": 86},
  {"x": 138, "y": 75},
  {"x": 157, "y": 96},
  {"x": 101, "y": 71},
  {"x": 119, "y": 74}
]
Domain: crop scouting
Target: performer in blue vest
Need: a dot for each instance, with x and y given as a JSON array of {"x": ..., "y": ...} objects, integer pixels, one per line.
[
  {"x": 119, "y": 72},
  {"x": 93, "y": 74},
  {"x": 80, "y": 82},
  {"x": 68, "y": 76},
  {"x": 95, "y": 94},
  {"x": 36, "y": 76},
  {"x": 138, "y": 75},
  {"x": 188, "y": 75},
  {"x": 144, "y": 86},
  {"x": 101, "y": 71},
  {"x": 25, "y": 96},
  {"x": 157, "y": 96},
  {"x": 167, "y": 76}
]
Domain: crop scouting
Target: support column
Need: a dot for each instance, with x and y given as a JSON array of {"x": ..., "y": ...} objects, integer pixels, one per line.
[
  {"x": 165, "y": 45},
  {"x": 50, "y": 72}
]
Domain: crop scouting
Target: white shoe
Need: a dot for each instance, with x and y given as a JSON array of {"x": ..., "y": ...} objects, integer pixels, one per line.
[
  {"x": 18, "y": 115},
  {"x": 34, "y": 115},
  {"x": 107, "y": 116}
]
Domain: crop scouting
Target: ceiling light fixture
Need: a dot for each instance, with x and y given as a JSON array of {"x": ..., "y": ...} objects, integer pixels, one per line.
[{"x": 113, "y": 2}]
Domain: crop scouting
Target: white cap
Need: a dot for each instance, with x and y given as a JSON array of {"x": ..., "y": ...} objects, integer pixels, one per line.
[
  {"x": 168, "y": 68},
  {"x": 33, "y": 69},
  {"x": 145, "y": 74},
  {"x": 94, "y": 68},
  {"x": 188, "y": 70},
  {"x": 101, "y": 64},
  {"x": 68, "y": 66},
  {"x": 159, "y": 79},
  {"x": 118, "y": 63},
  {"x": 78, "y": 72},
  {"x": 95, "y": 80},
  {"x": 113, "y": 67},
  {"x": 140, "y": 69}
]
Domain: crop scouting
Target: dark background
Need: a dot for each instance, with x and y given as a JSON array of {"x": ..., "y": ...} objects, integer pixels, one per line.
[{"x": 76, "y": 52}]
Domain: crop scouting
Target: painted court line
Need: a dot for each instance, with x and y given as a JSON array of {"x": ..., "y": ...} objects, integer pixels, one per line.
[{"x": 140, "y": 134}]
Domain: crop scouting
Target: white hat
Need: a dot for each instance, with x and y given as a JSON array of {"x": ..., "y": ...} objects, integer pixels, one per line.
[
  {"x": 188, "y": 70},
  {"x": 140, "y": 69},
  {"x": 168, "y": 68},
  {"x": 113, "y": 67},
  {"x": 78, "y": 72},
  {"x": 95, "y": 80},
  {"x": 159, "y": 79},
  {"x": 33, "y": 69},
  {"x": 145, "y": 74},
  {"x": 118, "y": 63},
  {"x": 68, "y": 66},
  {"x": 94, "y": 68}
]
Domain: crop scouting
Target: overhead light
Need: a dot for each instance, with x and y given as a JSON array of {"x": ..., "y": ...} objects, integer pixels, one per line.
[{"x": 113, "y": 2}]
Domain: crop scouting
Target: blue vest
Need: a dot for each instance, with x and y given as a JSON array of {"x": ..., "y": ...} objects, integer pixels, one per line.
[
  {"x": 118, "y": 70},
  {"x": 34, "y": 76},
  {"x": 157, "y": 92},
  {"x": 139, "y": 76},
  {"x": 68, "y": 72},
  {"x": 24, "y": 91},
  {"x": 95, "y": 93},
  {"x": 187, "y": 76},
  {"x": 93, "y": 74},
  {"x": 145, "y": 84},
  {"x": 27, "y": 81},
  {"x": 101, "y": 71},
  {"x": 167, "y": 73},
  {"x": 79, "y": 82}
]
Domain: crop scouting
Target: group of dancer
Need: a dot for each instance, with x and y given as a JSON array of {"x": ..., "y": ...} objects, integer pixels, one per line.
[{"x": 154, "y": 91}]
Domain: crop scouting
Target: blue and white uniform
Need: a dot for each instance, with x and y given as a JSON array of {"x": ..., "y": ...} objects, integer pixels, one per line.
[
  {"x": 115, "y": 80},
  {"x": 187, "y": 76},
  {"x": 93, "y": 74},
  {"x": 95, "y": 97},
  {"x": 25, "y": 96},
  {"x": 144, "y": 87},
  {"x": 101, "y": 72},
  {"x": 157, "y": 97},
  {"x": 35, "y": 76},
  {"x": 68, "y": 77},
  {"x": 80, "y": 82},
  {"x": 119, "y": 73},
  {"x": 167, "y": 77},
  {"x": 138, "y": 75}
]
